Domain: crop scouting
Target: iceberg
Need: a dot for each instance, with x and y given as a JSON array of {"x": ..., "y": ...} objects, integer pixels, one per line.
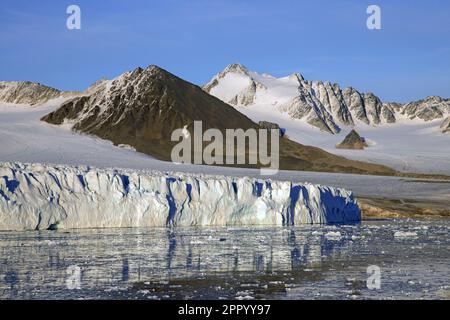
[{"x": 40, "y": 197}]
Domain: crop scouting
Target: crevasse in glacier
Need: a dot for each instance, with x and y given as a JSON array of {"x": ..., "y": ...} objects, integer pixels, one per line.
[{"x": 34, "y": 196}]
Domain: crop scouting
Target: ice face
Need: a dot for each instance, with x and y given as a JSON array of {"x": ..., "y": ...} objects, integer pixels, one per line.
[{"x": 34, "y": 196}]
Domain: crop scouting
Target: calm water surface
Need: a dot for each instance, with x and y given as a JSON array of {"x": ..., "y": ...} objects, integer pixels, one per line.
[{"x": 308, "y": 262}]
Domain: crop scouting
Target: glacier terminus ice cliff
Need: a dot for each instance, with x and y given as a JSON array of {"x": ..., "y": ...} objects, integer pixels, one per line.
[{"x": 39, "y": 197}]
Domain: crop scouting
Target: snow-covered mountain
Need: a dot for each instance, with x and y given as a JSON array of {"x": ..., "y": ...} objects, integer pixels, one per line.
[
  {"x": 142, "y": 108},
  {"x": 27, "y": 93},
  {"x": 320, "y": 104},
  {"x": 427, "y": 109}
]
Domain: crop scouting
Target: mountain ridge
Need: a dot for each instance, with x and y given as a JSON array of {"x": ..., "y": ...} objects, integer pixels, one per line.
[
  {"x": 322, "y": 104},
  {"x": 26, "y": 92}
]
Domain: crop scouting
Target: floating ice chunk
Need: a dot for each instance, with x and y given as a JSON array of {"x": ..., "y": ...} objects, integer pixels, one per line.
[
  {"x": 405, "y": 234},
  {"x": 49, "y": 242},
  {"x": 244, "y": 295},
  {"x": 247, "y": 297},
  {"x": 144, "y": 292},
  {"x": 421, "y": 228},
  {"x": 333, "y": 235},
  {"x": 196, "y": 242}
]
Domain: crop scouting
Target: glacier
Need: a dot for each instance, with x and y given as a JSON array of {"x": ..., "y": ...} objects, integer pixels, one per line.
[{"x": 42, "y": 196}]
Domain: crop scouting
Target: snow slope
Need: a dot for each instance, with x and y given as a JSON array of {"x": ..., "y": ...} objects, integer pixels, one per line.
[{"x": 38, "y": 197}]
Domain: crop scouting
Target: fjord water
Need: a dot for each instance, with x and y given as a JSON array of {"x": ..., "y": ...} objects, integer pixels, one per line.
[{"x": 307, "y": 262}]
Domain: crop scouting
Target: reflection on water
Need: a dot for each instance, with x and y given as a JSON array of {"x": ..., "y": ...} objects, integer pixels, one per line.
[{"x": 282, "y": 263}]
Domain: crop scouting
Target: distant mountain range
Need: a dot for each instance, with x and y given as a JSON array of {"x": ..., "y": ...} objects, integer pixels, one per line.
[
  {"x": 26, "y": 93},
  {"x": 321, "y": 104},
  {"x": 30, "y": 93},
  {"x": 141, "y": 108}
]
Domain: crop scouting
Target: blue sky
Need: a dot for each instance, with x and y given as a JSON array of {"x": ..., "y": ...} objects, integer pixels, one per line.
[{"x": 194, "y": 39}]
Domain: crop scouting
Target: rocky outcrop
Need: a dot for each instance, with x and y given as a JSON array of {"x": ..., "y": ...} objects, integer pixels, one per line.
[
  {"x": 445, "y": 126},
  {"x": 268, "y": 125},
  {"x": 309, "y": 107},
  {"x": 428, "y": 109},
  {"x": 355, "y": 103},
  {"x": 26, "y": 93},
  {"x": 40, "y": 197},
  {"x": 388, "y": 113},
  {"x": 330, "y": 96},
  {"x": 272, "y": 126},
  {"x": 353, "y": 141}
]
